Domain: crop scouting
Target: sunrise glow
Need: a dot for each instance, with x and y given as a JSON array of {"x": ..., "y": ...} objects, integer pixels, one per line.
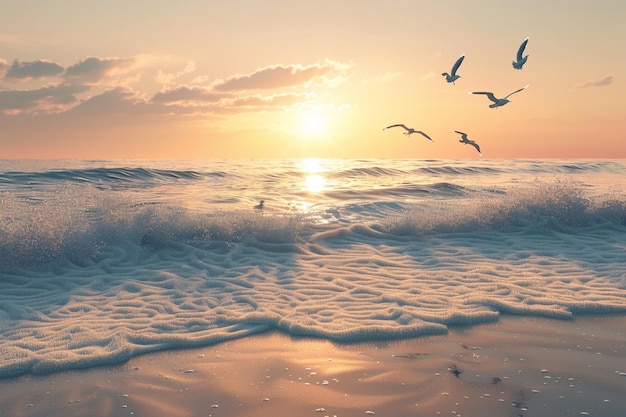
[
  {"x": 313, "y": 125},
  {"x": 321, "y": 79}
]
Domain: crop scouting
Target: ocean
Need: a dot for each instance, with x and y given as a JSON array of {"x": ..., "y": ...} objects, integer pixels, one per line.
[{"x": 101, "y": 261}]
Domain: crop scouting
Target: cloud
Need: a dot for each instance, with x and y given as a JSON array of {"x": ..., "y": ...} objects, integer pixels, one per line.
[
  {"x": 606, "y": 80},
  {"x": 95, "y": 70},
  {"x": 185, "y": 100},
  {"x": 390, "y": 76},
  {"x": 168, "y": 78},
  {"x": 25, "y": 71},
  {"x": 125, "y": 101},
  {"x": 270, "y": 102},
  {"x": 185, "y": 94},
  {"x": 118, "y": 100},
  {"x": 428, "y": 76},
  {"x": 98, "y": 85},
  {"x": 281, "y": 76},
  {"x": 3, "y": 64},
  {"x": 52, "y": 99}
]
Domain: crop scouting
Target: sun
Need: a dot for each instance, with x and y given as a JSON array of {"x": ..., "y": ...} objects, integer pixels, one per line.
[{"x": 313, "y": 125}]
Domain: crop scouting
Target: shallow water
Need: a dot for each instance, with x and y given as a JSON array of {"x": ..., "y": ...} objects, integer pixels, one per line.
[
  {"x": 104, "y": 260},
  {"x": 519, "y": 366}
]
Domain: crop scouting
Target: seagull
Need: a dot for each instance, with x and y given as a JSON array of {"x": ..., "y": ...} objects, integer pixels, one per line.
[
  {"x": 260, "y": 205},
  {"x": 497, "y": 102},
  {"x": 452, "y": 77},
  {"x": 520, "y": 60},
  {"x": 409, "y": 131},
  {"x": 467, "y": 141}
]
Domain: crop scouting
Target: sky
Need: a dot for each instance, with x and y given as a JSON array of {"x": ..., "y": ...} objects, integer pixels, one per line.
[{"x": 282, "y": 79}]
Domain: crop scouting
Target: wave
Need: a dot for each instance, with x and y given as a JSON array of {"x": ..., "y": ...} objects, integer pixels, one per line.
[
  {"x": 100, "y": 176},
  {"x": 495, "y": 167},
  {"x": 459, "y": 170},
  {"x": 542, "y": 207},
  {"x": 76, "y": 222},
  {"x": 339, "y": 170},
  {"x": 438, "y": 190},
  {"x": 373, "y": 171},
  {"x": 94, "y": 275}
]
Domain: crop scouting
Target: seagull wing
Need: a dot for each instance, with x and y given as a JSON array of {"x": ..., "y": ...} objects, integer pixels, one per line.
[
  {"x": 520, "y": 51},
  {"x": 489, "y": 95},
  {"x": 457, "y": 64},
  {"x": 425, "y": 135},
  {"x": 475, "y": 145},
  {"x": 460, "y": 133},
  {"x": 397, "y": 125},
  {"x": 517, "y": 91}
]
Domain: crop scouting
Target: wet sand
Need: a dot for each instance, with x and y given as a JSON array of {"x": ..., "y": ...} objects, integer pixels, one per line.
[{"x": 514, "y": 367}]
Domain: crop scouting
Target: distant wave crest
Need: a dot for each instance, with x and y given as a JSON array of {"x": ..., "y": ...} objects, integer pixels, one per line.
[
  {"x": 541, "y": 207},
  {"x": 75, "y": 222},
  {"x": 101, "y": 176}
]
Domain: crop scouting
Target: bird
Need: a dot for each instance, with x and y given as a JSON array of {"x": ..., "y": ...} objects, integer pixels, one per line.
[
  {"x": 452, "y": 77},
  {"x": 497, "y": 102},
  {"x": 467, "y": 141},
  {"x": 260, "y": 205},
  {"x": 409, "y": 131},
  {"x": 520, "y": 59}
]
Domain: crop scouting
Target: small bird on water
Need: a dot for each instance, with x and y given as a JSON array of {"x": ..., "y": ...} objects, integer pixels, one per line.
[{"x": 260, "y": 205}]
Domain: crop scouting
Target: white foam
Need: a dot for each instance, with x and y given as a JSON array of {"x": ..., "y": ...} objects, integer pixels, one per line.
[
  {"x": 89, "y": 278},
  {"x": 346, "y": 286}
]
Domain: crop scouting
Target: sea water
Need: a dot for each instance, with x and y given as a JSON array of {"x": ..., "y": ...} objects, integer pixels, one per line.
[{"x": 104, "y": 260}]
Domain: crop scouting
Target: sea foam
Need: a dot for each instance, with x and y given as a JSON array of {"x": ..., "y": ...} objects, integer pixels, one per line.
[{"x": 93, "y": 275}]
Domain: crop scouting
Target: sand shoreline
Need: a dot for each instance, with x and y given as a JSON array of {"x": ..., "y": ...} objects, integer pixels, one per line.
[{"x": 518, "y": 366}]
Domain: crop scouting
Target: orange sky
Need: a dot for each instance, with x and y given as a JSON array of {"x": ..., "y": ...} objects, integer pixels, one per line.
[{"x": 276, "y": 79}]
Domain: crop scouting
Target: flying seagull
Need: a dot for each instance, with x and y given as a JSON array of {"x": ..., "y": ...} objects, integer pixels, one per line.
[
  {"x": 520, "y": 59},
  {"x": 452, "y": 77},
  {"x": 497, "y": 102},
  {"x": 409, "y": 131},
  {"x": 467, "y": 141}
]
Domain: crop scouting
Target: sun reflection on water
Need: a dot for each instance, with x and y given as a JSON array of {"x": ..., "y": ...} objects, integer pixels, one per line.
[
  {"x": 311, "y": 165},
  {"x": 315, "y": 183},
  {"x": 313, "y": 170}
]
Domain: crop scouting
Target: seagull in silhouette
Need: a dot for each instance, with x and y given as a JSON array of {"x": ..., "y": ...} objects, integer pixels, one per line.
[
  {"x": 452, "y": 77},
  {"x": 409, "y": 131},
  {"x": 497, "y": 102},
  {"x": 467, "y": 141},
  {"x": 520, "y": 59}
]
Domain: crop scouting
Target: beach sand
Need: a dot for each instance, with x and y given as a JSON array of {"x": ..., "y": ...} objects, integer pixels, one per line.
[{"x": 518, "y": 366}]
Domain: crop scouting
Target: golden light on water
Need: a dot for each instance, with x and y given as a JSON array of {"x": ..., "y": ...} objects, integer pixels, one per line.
[
  {"x": 314, "y": 180},
  {"x": 315, "y": 183},
  {"x": 311, "y": 165}
]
